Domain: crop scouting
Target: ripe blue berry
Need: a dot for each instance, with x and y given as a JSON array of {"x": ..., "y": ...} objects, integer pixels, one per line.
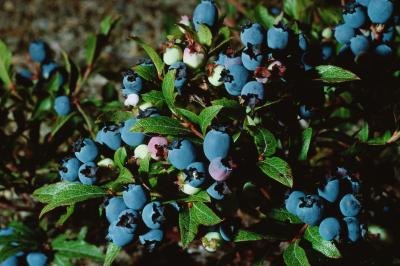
[
  {"x": 253, "y": 93},
  {"x": 359, "y": 45},
  {"x": 330, "y": 189},
  {"x": 379, "y": 11},
  {"x": 205, "y": 13},
  {"x": 85, "y": 150},
  {"x": 180, "y": 76},
  {"x": 114, "y": 207},
  {"x": 10, "y": 261},
  {"x": 228, "y": 230},
  {"x": 383, "y": 50},
  {"x": 135, "y": 197},
  {"x": 349, "y": 205},
  {"x": 62, "y": 105},
  {"x": 218, "y": 190},
  {"x": 253, "y": 34},
  {"x": 119, "y": 234},
  {"x": 303, "y": 42},
  {"x": 277, "y": 38},
  {"x": 111, "y": 137},
  {"x": 310, "y": 209},
  {"x": 153, "y": 215},
  {"x": 354, "y": 15},
  {"x": 152, "y": 239},
  {"x": 343, "y": 33},
  {"x": 329, "y": 228},
  {"x": 216, "y": 144},
  {"x": 305, "y": 112},
  {"x": 48, "y": 69},
  {"x": 68, "y": 169},
  {"x": 231, "y": 60},
  {"x": 252, "y": 57},
  {"x": 327, "y": 50},
  {"x": 235, "y": 77},
  {"x": 131, "y": 83},
  {"x": 129, "y": 220},
  {"x": 131, "y": 138},
  {"x": 36, "y": 259},
  {"x": 181, "y": 153},
  {"x": 38, "y": 51},
  {"x": 293, "y": 200},
  {"x": 195, "y": 174},
  {"x": 353, "y": 228},
  {"x": 363, "y": 2},
  {"x": 219, "y": 169},
  {"x": 88, "y": 173}
]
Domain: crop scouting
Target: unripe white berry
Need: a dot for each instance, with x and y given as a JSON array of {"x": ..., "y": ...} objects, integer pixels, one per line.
[{"x": 215, "y": 77}]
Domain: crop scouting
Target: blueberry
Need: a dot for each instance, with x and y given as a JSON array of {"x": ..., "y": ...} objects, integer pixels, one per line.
[
  {"x": 388, "y": 35},
  {"x": 180, "y": 76},
  {"x": 10, "y": 261},
  {"x": 359, "y": 45},
  {"x": 129, "y": 220},
  {"x": 218, "y": 190},
  {"x": 219, "y": 169},
  {"x": 120, "y": 235},
  {"x": 85, "y": 150},
  {"x": 307, "y": 61},
  {"x": 205, "y": 13},
  {"x": 212, "y": 241},
  {"x": 195, "y": 174},
  {"x": 330, "y": 189},
  {"x": 353, "y": 228},
  {"x": 158, "y": 148},
  {"x": 8, "y": 231},
  {"x": 329, "y": 229},
  {"x": 379, "y": 11},
  {"x": 111, "y": 137},
  {"x": 343, "y": 33},
  {"x": 231, "y": 60},
  {"x": 88, "y": 173},
  {"x": 153, "y": 215},
  {"x": 131, "y": 138},
  {"x": 36, "y": 259},
  {"x": 349, "y": 205},
  {"x": 327, "y": 50},
  {"x": 275, "y": 11},
  {"x": 135, "y": 197},
  {"x": 152, "y": 239},
  {"x": 25, "y": 74},
  {"x": 62, "y": 105},
  {"x": 252, "y": 57},
  {"x": 383, "y": 50},
  {"x": 305, "y": 112},
  {"x": 235, "y": 77},
  {"x": 253, "y": 93},
  {"x": 114, "y": 207},
  {"x": 68, "y": 169},
  {"x": 253, "y": 34},
  {"x": 303, "y": 42},
  {"x": 38, "y": 51},
  {"x": 181, "y": 153},
  {"x": 363, "y": 2},
  {"x": 48, "y": 69},
  {"x": 277, "y": 38},
  {"x": 216, "y": 144},
  {"x": 131, "y": 83},
  {"x": 310, "y": 209},
  {"x": 293, "y": 200},
  {"x": 228, "y": 230},
  {"x": 355, "y": 186},
  {"x": 354, "y": 15}
]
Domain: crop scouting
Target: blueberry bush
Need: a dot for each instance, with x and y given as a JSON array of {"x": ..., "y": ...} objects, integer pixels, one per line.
[{"x": 255, "y": 134}]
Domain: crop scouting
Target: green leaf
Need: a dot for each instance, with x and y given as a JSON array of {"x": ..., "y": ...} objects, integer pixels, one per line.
[
  {"x": 188, "y": 227},
  {"x": 8, "y": 251},
  {"x": 78, "y": 249},
  {"x": 63, "y": 218},
  {"x": 158, "y": 62},
  {"x": 61, "y": 260},
  {"x": 306, "y": 140},
  {"x": 226, "y": 103},
  {"x": 161, "y": 125},
  {"x": 245, "y": 235},
  {"x": 147, "y": 72},
  {"x": 265, "y": 141},
  {"x": 207, "y": 115},
  {"x": 46, "y": 193},
  {"x": 203, "y": 214},
  {"x": 90, "y": 50},
  {"x": 192, "y": 117},
  {"x": 334, "y": 74},
  {"x": 144, "y": 166},
  {"x": 281, "y": 214},
  {"x": 111, "y": 254},
  {"x": 363, "y": 134},
  {"x": 73, "y": 194},
  {"x": 327, "y": 248},
  {"x": 294, "y": 255},
  {"x": 277, "y": 169},
  {"x": 114, "y": 116},
  {"x": 168, "y": 90},
  {"x": 263, "y": 17},
  {"x": 156, "y": 98},
  {"x": 204, "y": 35},
  {"x": 60, "y": 122},
  {"x": 120, "y": 157},
  {"x": 107, "y": 24},
  {"x": 5, "y": 63},
  {"x": 201, "y": 196},
  {"x": 299, "y": 9}
]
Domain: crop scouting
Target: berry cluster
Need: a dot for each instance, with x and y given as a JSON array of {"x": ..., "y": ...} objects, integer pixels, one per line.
[
  {"x": 335, "y": 209},
  {"x": 32, "y": 258},
  {"x": 368, "y": 26}
]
